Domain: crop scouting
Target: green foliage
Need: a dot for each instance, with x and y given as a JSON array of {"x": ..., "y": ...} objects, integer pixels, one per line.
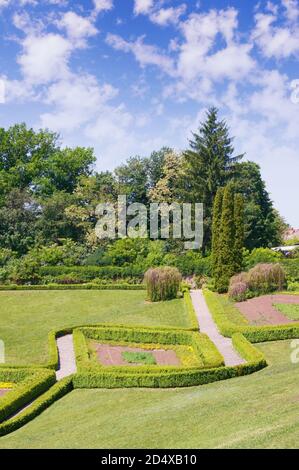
[
  {"x": 162, "y": 283},
  {"x": 209, "y": 165},
  {"x": 31, "y": 384},
  {"x": 146, "y": 358},
  {"x": 263, "y": 225},
  {"x": 291, "y": 267},
  {"x": 56, "y": 392},
  {"x": 261, "y": 255},
  {"x": 239, "y": 232},
  {"x": 226, "y": 263},
  {"x": 216, "y": 231}
]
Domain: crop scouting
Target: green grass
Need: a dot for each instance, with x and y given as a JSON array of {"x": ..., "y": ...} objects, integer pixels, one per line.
[
  {"x": 256, "y": 411},
  {"x": 26, "y": 317},
  {"x": 139, "y": 357},
  {"x": 289, "y": 310}
]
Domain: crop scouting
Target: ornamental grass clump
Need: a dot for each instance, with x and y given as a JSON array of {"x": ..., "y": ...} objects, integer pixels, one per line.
[
  {"x": 264, "y": 278},
  {"x": 162, "y": 283}
]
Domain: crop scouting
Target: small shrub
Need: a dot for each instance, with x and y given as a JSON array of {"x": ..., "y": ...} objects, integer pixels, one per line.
[
  {"x": 238, "y": 291},
  {"x": 162, "y": 283},
  {"x": 265, "y": 278}
]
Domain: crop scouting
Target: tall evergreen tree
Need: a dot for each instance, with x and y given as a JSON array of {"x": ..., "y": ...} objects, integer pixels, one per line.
[
  {"x": 226, "y": 266},
  {"x": 216, "y": 230},
  {"x": 239, "y": 232},
  {"x": 210, "y": 163}
]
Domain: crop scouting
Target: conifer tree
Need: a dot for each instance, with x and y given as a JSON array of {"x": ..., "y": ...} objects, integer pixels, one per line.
[
  {"x": 239, "y": 232},
  {"x": 226, "y": 262},
  {"x": 216, "y": 230},
  {"x": 209, "y": 165}
]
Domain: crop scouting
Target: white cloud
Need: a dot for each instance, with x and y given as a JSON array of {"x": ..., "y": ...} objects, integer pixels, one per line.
[
  {"x": 142, "y": 7},
  {"x": 75, "y": 101},
  {"x": 292, "y": 9},
  {"x": 77, "y": 27},
  {"x": 4, "y": 3},
  {"x": 198, "y": 54},
  {"x": 44, "y": 58},
  {"x": 278, "y": 41},
  {"x": 166, "y": 16},
  {"x": 145, "y": 54},
  {"x": 103, "y": 5}
]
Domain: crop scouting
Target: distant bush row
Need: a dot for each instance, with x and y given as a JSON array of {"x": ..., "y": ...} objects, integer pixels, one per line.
[{"x": 262, "y": 279}]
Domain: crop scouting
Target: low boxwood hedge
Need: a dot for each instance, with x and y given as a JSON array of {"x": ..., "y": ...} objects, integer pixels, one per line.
[
  {"x": 181, "y": 377},
  {"x": 40, "y": 404},
  {"x": 220, "y": 309},
  {"x": 87, "y": 286},
  {"x": 30, "y": 384}
]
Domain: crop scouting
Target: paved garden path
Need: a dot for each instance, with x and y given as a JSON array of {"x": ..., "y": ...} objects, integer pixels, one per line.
[
  {"x": 208, "y": 326},
  {"x": 67, "y": 361}
]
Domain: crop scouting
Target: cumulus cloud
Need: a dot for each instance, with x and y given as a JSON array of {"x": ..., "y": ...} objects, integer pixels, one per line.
[
  {"x": 103, "y": 5},
  {"x": 164, "y": 16},
  {"x": 77, "y": 27},
  {"x": 45, "y": 58},
  {"x": 142, "y": 7},
  {"x": 145, "y": 54},
  {"x": 278, "y": 40}
]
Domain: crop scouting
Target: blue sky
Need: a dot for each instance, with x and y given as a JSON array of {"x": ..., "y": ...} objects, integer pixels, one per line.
[{"x": 129, "y": 76}]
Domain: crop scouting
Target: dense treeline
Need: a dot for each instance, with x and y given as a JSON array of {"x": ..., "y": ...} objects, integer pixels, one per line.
[{"x": 48, "y": 196}]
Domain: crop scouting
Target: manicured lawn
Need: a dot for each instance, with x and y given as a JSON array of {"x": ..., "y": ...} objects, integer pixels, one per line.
[
  {"x": 289, "y": 310},
  {"x": 260, "y": 410},
  {"x": 27, "y": 317}
]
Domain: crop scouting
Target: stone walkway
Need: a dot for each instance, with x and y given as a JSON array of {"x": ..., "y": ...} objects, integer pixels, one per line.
[
  {"x": 208, "y": 326},
  {"x": 67, "y": 361}
]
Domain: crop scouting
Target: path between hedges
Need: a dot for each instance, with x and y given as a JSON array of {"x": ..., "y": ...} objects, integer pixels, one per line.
[
  {"x": 208, "y": 326},
  {"x": 67, "y": 361}
]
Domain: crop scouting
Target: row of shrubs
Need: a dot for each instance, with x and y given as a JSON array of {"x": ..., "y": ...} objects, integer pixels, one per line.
[
  {"x": 174, "y": 378},
  {"x": 30, "y": 384},
  {"x": 262, "y": 279},
  {"x": 87, "y": 286},
  {"x": 57, "y": 391},
  {"x": 221, "y": 309}
]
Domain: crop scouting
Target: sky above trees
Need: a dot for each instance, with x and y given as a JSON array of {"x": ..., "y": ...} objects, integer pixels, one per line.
[{"x": 128, "y": 77}]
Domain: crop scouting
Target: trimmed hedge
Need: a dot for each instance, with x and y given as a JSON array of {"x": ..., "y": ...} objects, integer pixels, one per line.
[
  {"x": 88, "y": 286},
  {"x": 38, "y": 406},
  {"x": 190, "y": 310},
  {"x": 202, "y": 346},
  {"x": 88, "y": 273},
  {"x": 176, "y": 378},
  {"x": 255, "y": 334},
  {"x": 31, "y": 384}
]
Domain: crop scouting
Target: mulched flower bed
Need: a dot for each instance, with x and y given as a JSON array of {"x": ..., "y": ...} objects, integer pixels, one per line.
[
  {"x": 261, "y": 310},
  {"x": 112, "y": 355}
]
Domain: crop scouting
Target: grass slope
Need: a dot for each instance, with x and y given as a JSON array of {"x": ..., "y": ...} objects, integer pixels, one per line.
[
  {"x": 27, "y": 317},
  {"x": 289, "y": 310},
  {"x": 260, "y": 410}
]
